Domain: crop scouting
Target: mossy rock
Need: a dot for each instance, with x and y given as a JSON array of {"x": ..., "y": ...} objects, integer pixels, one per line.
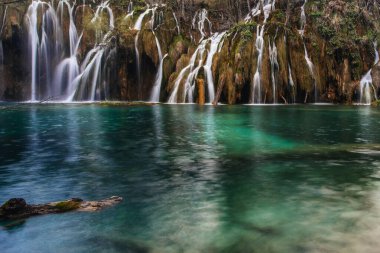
[{"x": 69, "y": 205}]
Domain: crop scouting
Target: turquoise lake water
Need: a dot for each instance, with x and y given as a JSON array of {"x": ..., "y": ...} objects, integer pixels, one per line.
[{"x": 194, "y": 179}]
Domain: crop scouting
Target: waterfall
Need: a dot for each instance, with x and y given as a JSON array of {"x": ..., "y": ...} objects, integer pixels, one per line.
[
  {"x": 193, "y": 68},
  {"x": 68, "y": 69},
  {"x": 31, "y": 19},
  {"x": 268, "y": 7},
  {"x": 274, "y": 68},
  {"x": 90, "y": 84},
  {"x": 256, "y": 91},
  {"x": 303, "y": 19},
  {"x": 200, "y": 20},
  {"x": 155, "y": 97},
  {"x": 310, "y": 64},
  {"x": 97, "y": 18},
  {"x": 192, "y": 72},
  {"x": 45, "y": 50},
  {"x": 215, "y": 41},
  {"x": 130, "y": 7},
  {"x": 53, "y": 68},
  {"x": 291, "y": 82},
  {"x": 190, "y": 80},
  {"x": 177, "y": 24},
  {"x": 366, "y": 83},
  {"x": 138, "y": 27}
]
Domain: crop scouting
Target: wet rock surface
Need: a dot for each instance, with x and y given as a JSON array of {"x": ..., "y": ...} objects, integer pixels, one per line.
[{"x": 17, "y": 208}]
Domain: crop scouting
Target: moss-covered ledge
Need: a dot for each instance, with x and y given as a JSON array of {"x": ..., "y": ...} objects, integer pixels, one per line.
[{"x": 17, "y": 208}]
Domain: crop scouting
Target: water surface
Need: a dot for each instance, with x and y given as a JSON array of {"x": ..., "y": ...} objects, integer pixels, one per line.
[{"x": 194, "y": 179}]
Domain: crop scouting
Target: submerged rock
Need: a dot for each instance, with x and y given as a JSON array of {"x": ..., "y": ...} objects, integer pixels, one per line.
[{"x": 17, "y": 208}]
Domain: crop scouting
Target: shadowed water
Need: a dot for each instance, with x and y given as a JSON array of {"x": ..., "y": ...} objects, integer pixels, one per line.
[{"x": 194, "y": 179}]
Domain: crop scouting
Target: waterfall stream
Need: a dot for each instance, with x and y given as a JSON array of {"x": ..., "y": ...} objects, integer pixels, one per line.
[
  {"x": 366, "y": 83},
  {"x": 268, "y": 7},
  {"x": 89, "y": 84},
  {"x": 310, "y": 64},
  {"x": 192, "y": 71},
  {"x": 200, "y": 20},
  {"x": 274, "y": 68},
  {"x": 138, "y": 27},
  {"x": 155, "y": 96},
  {"x": 215, "y": 42}
]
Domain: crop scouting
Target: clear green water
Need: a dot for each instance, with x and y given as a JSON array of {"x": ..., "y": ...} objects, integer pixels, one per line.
[{"x": 194, "y": 179}]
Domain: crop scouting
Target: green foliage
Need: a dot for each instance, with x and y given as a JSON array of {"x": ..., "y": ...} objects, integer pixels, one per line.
[
  {"x": 244, "y": 27},
  {"x": 316, "y": 14}
]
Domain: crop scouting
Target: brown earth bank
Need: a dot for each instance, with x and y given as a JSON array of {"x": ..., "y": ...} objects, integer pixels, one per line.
[{"x": 339, "y": 37}]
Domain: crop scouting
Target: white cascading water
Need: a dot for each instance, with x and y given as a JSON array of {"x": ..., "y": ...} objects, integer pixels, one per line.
[
  {"x": 366, "y": 83},
  {"x": 268, "y": 7},
  {"x": 190, "y": 80},
  {"x": 177, "y": 24},
  {"x": 200, "y": 20},
  {"x": 310, "y": 64},
  {"x": 192, "y": 70},
  {"x": 68, "y": 69},
  {"x": 188, "y": 69},
  {"x": 46, "y": 51},
  {"x": 274, "y": 68},
  {"x": 34, "y": 42},
  {"x": 138, "y": 27},
  {"x": 215, "y": 41},
  {"x": 155, "y": 96},
  {"x": 291, "y": 82},
  {"x": 303, "y": 19},
  {"x": 89, "y": 84}
]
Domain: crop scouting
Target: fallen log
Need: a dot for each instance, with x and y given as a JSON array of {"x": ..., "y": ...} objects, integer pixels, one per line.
[{"x": 17, "y": 208}]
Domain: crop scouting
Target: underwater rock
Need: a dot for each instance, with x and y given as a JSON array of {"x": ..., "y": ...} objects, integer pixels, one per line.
[{"x": 18, "y": 208}]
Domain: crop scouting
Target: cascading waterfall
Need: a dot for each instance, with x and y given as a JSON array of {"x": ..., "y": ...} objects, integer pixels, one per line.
[
  {"x": 192, "y": 72},
  {"x": 200, "y": 21},
  {"x": 68, "y": 69},
  {"x": 155, "y": 97},
  {"x": 274, "y": 68},
  {"x": 291, "y": 82},
  {"x": 52, "y": 67},
  {"x": 90, "y": 84},
  {"x": 138, "y": 27},
  {"x": 215, "y": 41},
  {"x": 366, "y": 83},
  {"x": 303, "y": 18},
  {"x": 46, "y": 52},
  {"x": 193, "y": 68},
  {"x": 310, "y": 64},
  {"x": 177, "y": 23},
  {"x": 268, "y": 7}
]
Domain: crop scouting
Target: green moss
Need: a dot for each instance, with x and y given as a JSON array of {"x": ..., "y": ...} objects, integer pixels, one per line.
[
  {"x": 66, "y": 206},
  {"x": 244, "y": 27}
]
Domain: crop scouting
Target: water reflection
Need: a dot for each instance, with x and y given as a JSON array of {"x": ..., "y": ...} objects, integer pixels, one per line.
[{"x": 195, "y": 179}]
